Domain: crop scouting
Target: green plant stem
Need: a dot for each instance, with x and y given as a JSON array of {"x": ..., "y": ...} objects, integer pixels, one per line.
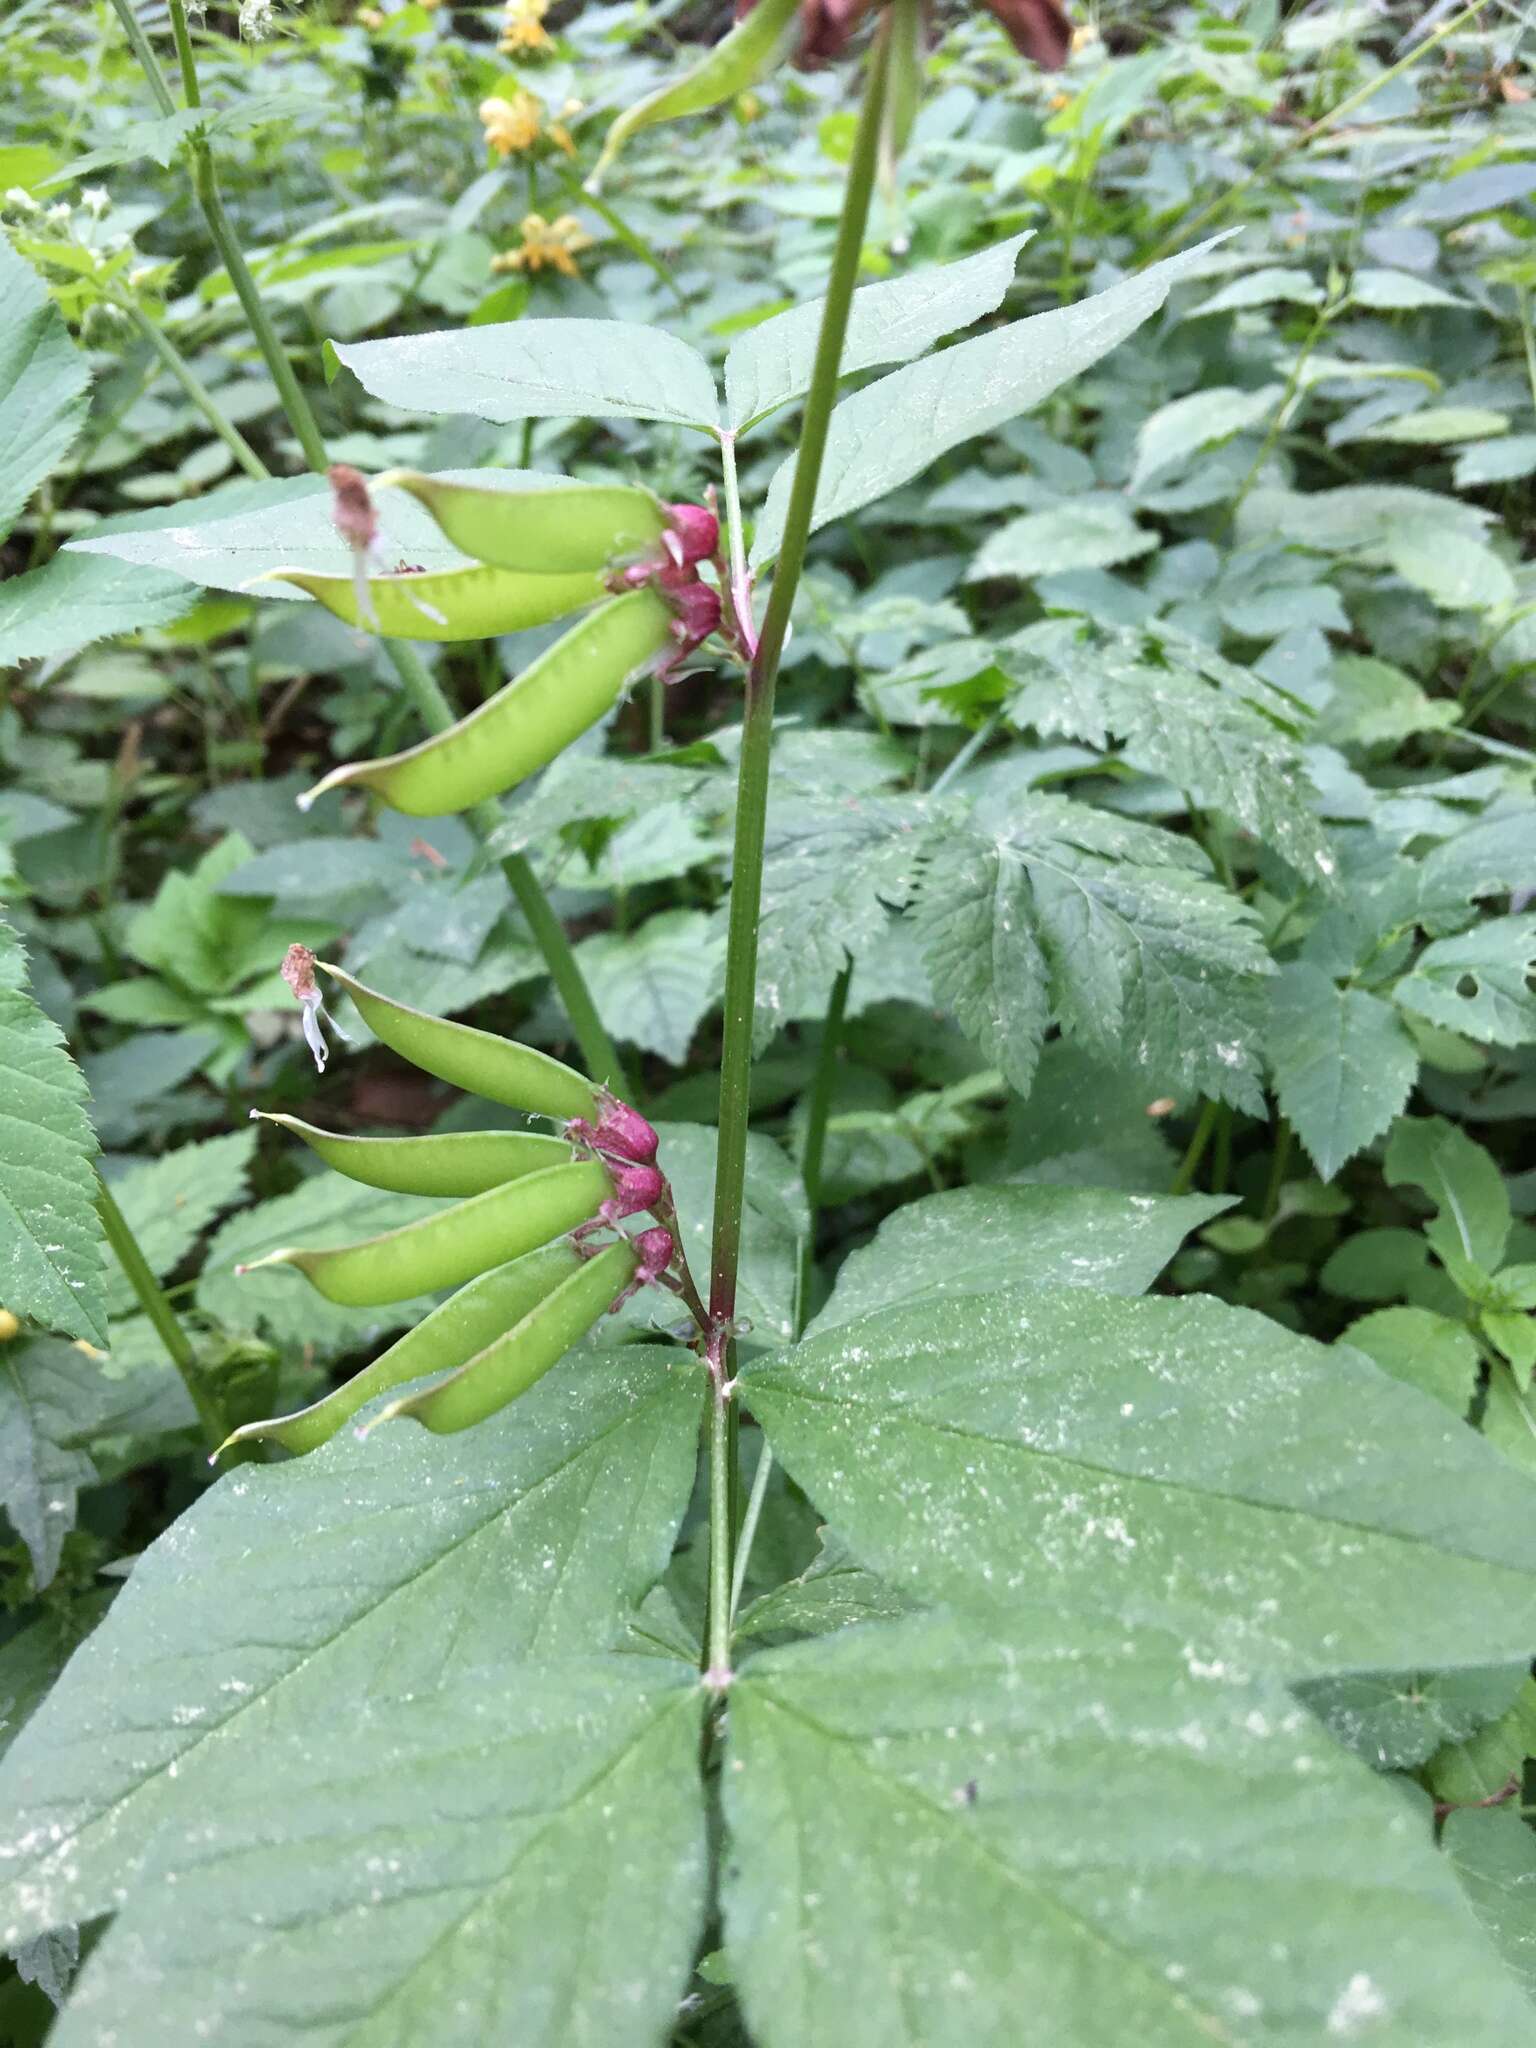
[
  {"x": 1188, "y": 231},
  {"x": 1279, "y": 1160},
  {"x": 811, "y": 1159},
  {"x": 1282, "y": 411},
  {"x": 197, "y": 391},
  {"x": 125, "y": 1249},
  {"x": 749, "y": 1523},
  {"x": 757, "y": 737},
  {"x": 1189, "y": 1164},
  {"x": 634, "y": 243},
  {"x": 717, "y": 1668}
]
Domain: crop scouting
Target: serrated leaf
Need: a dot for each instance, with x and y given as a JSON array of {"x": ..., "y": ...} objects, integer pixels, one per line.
[
  {"x": 290, "y": 1597},
  {"x": 1176, "y": 1462},
  {"x": 1083, "y": 533},
  {"x": 1071, "y": 1833},
  {"x": 51, "y": 1243},
  {"x": 1422, "y": 1349},
  {"x": 1478, "y": 983},
  {"x": 1342, "y": 1062},
  {"x": 654, "y": 986},
  {"x": 43, "y": 385},
  {"x": 883, "y": 435},
  {"x": 472, "y": 1867},
  {"x": 1373, "y": 703},
  {"x": 956, "y": 1243},
  {"x": 169, "y": 1202},
  {"x": 541, "y": 369},
  {"x": 1459, "y": 1177},
  {"x": 835, "y": 868},
  {"x": 76, "y": 599},
  {"x": 1105, "y": 925},
  {"x": 1216, "y": 731},
  {"x": 887, "y": 323},
  {"x": 1396, "y": 1720},
  {"x": 1184, "y": 426}
]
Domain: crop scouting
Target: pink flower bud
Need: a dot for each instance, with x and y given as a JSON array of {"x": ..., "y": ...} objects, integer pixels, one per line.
[
  {"x": 698, "y": 614},
  {"x": 657, "y": 1252},
  {"x": 634, "y": 1189},
  {"x": 352, "y": 511},
  {"x": 624, "y": 1131},
  {"x": 694, "y": 535}
]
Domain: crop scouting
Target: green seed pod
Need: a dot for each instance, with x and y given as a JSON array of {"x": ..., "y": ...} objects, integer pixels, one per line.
[
  {"x": 452, "y": 1163},
  {"x": 472, "y": 603},
  {"x": 461, "y": 1328},
  {"x": 559, "y": 528},
  {"x": 440, "y": 1251},
  {"x": 497, "y": 1069},
  {"x": 525, "y": 725},
  {"x": 510, "y": 1366}
]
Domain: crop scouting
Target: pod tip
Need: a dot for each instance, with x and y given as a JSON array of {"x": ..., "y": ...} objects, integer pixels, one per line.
[{"x": 289, "y": 1255}]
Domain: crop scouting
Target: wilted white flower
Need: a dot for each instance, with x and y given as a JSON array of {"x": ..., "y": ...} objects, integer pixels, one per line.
[
  {"x": 257, "y": 20},
  {"x": 59, "y": 213},
  {"x": 21, "y": 200},
  {"x": 96, "y": 199}
]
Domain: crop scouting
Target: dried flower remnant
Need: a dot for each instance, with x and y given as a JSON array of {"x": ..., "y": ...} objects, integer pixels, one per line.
[
  {"x": 298, "y": 970},
  {"x": 354, "y": 518},
  {"x": 1038, "y": 29}
]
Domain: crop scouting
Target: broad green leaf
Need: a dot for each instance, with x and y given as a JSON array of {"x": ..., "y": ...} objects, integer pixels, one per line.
[
  {"x": 888, "y": 323},
  {"x": 882, "y": 436},
  {"x": 207, "y": 941},
  {"x": 1459, "y": 1177},
  {"x": 654, "y": 986},
  {"x": 32, "y": 1658},
  {"x": 1374, "y": 704},
  {"x": 1357, "y": 519},
  {"x": 1396, "y": 1720},
  {"x": 1488, "y": 858},
  {"x": 56, "y": 1399},
  {"x": 75, "y": 599},
  {"x": 1398, "y": 291},
  {"x": 1083, "y": 533},
  {"x": 519, "y": 1859},
  {"x": 1455, "y": 573},
  {"x": 1175, "y": 1462},
  {"x": 1343, "y": 1063},
  {"x": 1216, "y": 731},
  {"x": 292, "y": 1600},
  {"x": 958, "y": 1242},
  {"x": 1436, "y": 426},
  {"x": 1488, "y": 1764},
  {"x": 836, "y": 867},
  {"x": 1495, "y": 462},
  {"x": 1478, "y": 983},
  {"x": 1422, "y": 1349},
  {"x": 541, "y": 369},
  {"x": 757, "y": 41},
  {"x": 1271, "y": 286},
  {"x": 1493, "y": 1853},
  {"x": 1071, "y": 1834},
  {"x": 51, "y": 1244},
  {"x": 1484, "y": 190},
  {"x": 169, "y": 1202},
  {"x": 43, "y": 384},
  {"x": 1183, "y": 427},
  {"x": 1107, "y": 925}
]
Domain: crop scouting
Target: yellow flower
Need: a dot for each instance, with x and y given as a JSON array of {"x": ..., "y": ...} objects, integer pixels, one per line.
[
  {"x": 9, "y": 1325},
  {"x": 511, "y": 124},
  {"x": 522, "y": 28},
  {"x": 555, "y": 244},
  {"x": 370, "y": 17}
]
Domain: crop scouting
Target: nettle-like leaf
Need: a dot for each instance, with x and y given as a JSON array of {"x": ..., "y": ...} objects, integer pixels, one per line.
[
  {"x": 654, "y": 987},
  {"x": 51, "y": 1242},
  {"x": 890, "y": 432},
  {"x": 1076, "y": 1831},
  {"x": 1112, "y": 929},
  {"x": 1493, "y": 1852},
  {"x": 75, "y": 599},
  {"x": 43, "y": 384},
  {"x": 1343, "y": 1063},
  {"x": 168, "y": 1202},
  {"x": 1182, "y": 712},
  {"x": 836, "y": 867},
  {"x": 1478, "y": 983},
  {"x": 292, "y": 1601}
]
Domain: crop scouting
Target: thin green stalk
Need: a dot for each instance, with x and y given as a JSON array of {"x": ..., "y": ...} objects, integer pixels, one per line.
[
  {"x": 757, "y": 736},
  {"x": 143, "y": 49},
  {"x": 1279, "y": 1160},
  {"x": 822, "y": 1084},
  {"x": 749, "y": 1523},
  {"x": 741, "y": 582},
  {"x": 1189, "y": 1164},
  {"x": 1190, "y": 230},
  {"x": 967, "y": 754},
  {"x": 125, "y": 1248},
  {"x": 635, "y": 243},
  {"x": 717, "y": 1668},
  {"x": 197, "y": 391},
  {"x": 1282, "y": 411}
]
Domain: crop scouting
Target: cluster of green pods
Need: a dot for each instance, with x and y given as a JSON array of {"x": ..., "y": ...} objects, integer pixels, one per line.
[
  {"x": 540, "y": 552},
  {"x": 514, "y": 1242}
]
